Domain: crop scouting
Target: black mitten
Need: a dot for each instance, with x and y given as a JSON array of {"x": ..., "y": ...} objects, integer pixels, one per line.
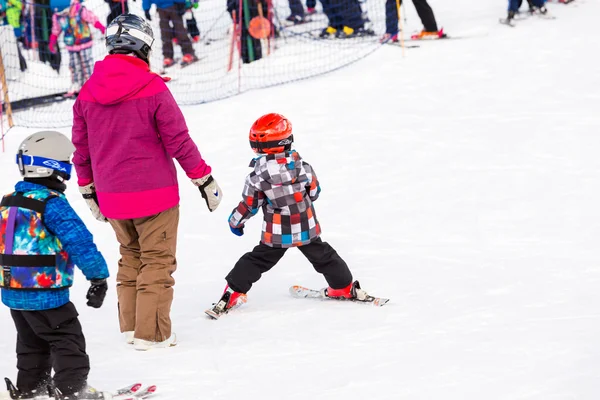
[{"x": 97, "y": 292}]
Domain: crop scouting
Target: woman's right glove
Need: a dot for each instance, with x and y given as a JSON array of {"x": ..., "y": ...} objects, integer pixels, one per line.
[
  {"x": 91, "y": 198},
  {"x": 210, "y": 191}
]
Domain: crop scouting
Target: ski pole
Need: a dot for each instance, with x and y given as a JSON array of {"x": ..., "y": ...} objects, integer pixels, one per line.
[
  {"x": 401, "y": 26},
  {"x": 233, "y": 41}
]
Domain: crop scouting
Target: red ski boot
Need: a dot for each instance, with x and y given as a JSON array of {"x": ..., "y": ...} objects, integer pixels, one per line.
[{"x": 352, "y": 291}]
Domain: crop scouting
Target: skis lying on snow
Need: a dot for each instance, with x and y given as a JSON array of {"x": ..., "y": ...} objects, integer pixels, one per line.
[
  {"x": 301, "y": 292},
  {"x": 131, "y": 392}
]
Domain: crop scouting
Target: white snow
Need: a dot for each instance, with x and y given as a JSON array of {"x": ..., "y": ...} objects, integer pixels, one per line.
[{"x": 460, "y": 181}]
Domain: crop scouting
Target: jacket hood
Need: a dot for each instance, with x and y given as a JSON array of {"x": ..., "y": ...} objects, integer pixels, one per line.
[
  {"x": 278, "y": 169},
  {"x": 118, "y": 77}
]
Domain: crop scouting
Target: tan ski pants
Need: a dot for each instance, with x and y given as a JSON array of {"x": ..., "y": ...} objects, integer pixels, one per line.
[{"x": 144, "y": 281}]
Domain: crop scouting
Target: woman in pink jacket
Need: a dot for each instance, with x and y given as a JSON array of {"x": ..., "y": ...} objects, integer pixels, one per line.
[{"x": 127, "y": 129}]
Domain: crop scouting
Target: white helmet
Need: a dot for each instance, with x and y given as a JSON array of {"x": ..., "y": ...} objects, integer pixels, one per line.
[{"x": 46, "y": 154}]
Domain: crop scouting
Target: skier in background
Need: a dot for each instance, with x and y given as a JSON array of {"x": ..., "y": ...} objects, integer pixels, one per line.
[
  {"x": 430, "y": 28},
  {"x": 345, "y": 19},
  {"x": 190, "y": 22},
  {"x": 285, "y": 187},
  {"x": 42, "y": 239},
  {"x": 11, "y": 11},
  {"x": 251, "y": 47},
  {"x": 171, "y": 12},
  {"x": 74, "y": 23},
  {"x": 535, "y": 6},
  {"x": 117, "y": 7},
  {"x": 127, "y": 128}
]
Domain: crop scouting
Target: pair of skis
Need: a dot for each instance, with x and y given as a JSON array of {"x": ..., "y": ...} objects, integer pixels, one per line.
[
  {"x": 511, "y": 22},
  {"x": 134, "y": 392},
  {"x": 131, "y": 392},
  {"x": 301, "y": 292}
]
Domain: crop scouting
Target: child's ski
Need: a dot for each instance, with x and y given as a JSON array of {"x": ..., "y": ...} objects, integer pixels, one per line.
[
  {"x": 508, "y": 22},
  {"x": 139, "y": 394},
  {"x": 127, "y": 390},
  {"x": 219, "y": 310},
  {"x": 130, "y": 392},
  {"x": 301, "y": 292},
  {"x": 407, "y": 46}
]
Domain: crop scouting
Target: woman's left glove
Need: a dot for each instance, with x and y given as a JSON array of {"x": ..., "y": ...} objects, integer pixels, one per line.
[
  {"x": 210, "y": 191},
  {"x": 91, "y": 198}
]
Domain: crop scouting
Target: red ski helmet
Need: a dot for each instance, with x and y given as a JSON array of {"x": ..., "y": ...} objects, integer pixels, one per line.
[{"x": 271, "y": 133}]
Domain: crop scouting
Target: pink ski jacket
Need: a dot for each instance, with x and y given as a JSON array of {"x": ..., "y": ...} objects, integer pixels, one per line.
[{"x": 127, "y": 129}]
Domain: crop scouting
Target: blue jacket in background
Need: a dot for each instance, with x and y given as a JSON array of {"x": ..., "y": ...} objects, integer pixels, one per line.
[
  {"x": 160, "y": 4},
  {"x": 77, "y": 241}
]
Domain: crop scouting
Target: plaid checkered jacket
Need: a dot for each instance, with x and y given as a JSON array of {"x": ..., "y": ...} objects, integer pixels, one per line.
[{"x": 285, "y": 187}]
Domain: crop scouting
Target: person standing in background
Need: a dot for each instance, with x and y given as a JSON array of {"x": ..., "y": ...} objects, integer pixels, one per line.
[
  {"x": 430, "y": 28},
  {"x": 117, "y": 7},
  {"x": 74, "y": 24},
  {"x": 171, "y": 12}
]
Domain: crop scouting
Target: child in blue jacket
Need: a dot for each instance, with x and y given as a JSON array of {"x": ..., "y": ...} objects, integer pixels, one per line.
[{"x": 41, "y": 239}]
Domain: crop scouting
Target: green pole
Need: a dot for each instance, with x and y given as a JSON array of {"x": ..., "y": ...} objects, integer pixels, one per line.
[{"x": 248, "y": 37}]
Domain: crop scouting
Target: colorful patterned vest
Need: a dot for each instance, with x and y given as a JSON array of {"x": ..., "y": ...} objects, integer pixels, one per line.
[
  {"x": 31, "y": 257},
  {"x": 76, "y": 30}
]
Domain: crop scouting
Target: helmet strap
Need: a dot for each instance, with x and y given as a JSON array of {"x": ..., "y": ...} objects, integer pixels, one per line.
[
  {"x": 260, "y": 146},
  {"x": 20, "y": 162}
]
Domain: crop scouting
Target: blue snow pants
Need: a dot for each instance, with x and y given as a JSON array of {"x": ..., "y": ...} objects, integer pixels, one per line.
[{"x": 513, "y": 5}]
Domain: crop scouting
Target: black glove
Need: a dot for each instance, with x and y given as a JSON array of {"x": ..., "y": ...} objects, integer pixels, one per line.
[
  {"x": 96, "y": 293},
  {"x": 147, "y": 14},
  {"x": 180, "y": 7}
]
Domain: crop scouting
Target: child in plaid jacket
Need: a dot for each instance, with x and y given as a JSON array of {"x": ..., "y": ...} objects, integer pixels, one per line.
[{"x": 285, "y": 187}]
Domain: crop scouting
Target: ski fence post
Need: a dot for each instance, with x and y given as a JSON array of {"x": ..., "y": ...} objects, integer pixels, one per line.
[
  {"x": 233, "y": 41},
  {"x": 5, "y": 100},
  {"x": 260, "y": 13},
  {"x": 239, "y": 44}
]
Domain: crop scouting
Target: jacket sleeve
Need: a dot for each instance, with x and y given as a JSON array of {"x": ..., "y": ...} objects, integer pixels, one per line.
[
  {"x": 76, "y": 239},
  {"x": 253, "y": 200},
  {"x": 81, "y": 158},
  {"x": 55, "y": 25},
  {"x": 18, "y": 4},
  {"x": 88, "y": 16},
  {"x": 174, "y": 135},
  {"x": 313, "y": 188}
]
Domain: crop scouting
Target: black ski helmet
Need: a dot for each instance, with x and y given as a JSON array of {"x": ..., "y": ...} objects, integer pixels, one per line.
[{"x": 129, "y": 33}]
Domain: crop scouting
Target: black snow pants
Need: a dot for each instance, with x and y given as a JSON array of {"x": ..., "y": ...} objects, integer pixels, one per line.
[
  {"x": 171, "y": 15},
  {"x": 262, "y": 258},
  {"x": 423, "y": 9},
  {"x": 116, "y": 8},
  {"x": 50, "y": 339},
  {"x": 342, "y": 13}
]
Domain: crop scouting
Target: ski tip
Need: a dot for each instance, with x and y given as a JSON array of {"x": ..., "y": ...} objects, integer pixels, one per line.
[
  {"x": 380, "y": 302},
  {"x": 135, "y": 387},
  {"x": 211, "y": 314},
  {"x": 151, "y": 389}
]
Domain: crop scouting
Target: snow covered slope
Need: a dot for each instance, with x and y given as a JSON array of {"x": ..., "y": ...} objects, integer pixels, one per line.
[{"x": 460, "y": 181}]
